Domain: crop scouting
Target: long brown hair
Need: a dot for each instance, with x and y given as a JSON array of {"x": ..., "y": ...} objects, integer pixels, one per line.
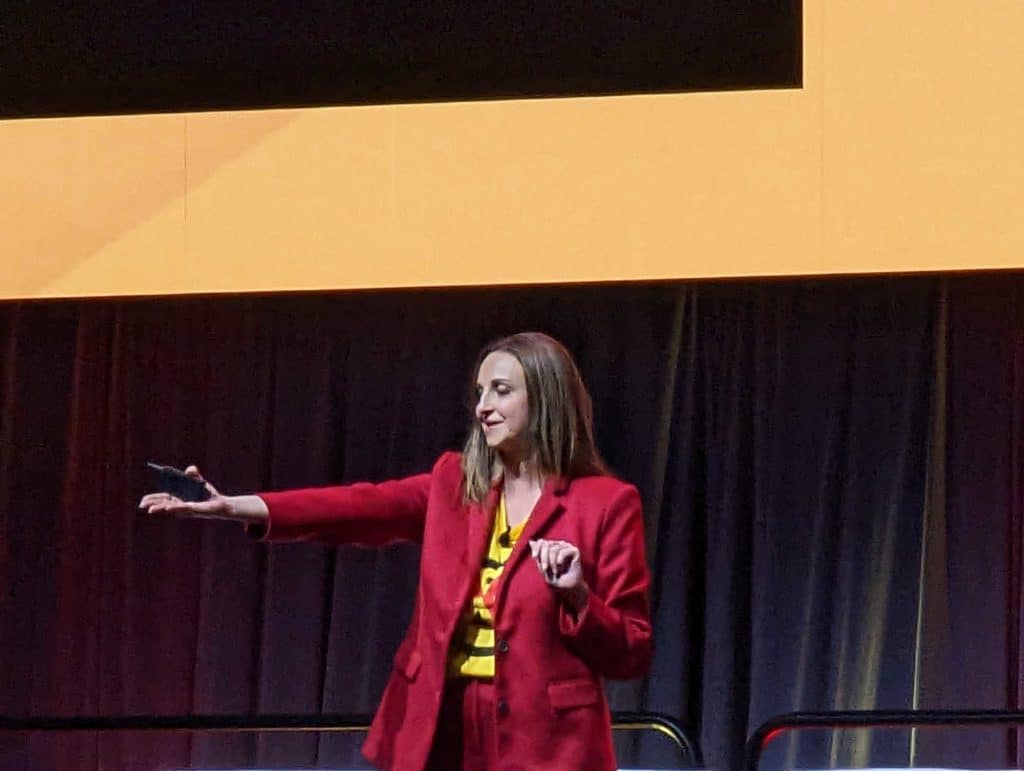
[{"x": 561, "y": 415}]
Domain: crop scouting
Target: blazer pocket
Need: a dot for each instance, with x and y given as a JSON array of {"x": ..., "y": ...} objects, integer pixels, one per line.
[
  {"x": 407, "y": 662},
  {"x": 566, "y": 694}
]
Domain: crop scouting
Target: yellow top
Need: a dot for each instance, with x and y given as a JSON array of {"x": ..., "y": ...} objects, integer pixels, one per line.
[{"x": 472, "y": 651}]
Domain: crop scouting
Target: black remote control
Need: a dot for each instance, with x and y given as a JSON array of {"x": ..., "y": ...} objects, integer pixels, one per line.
[{"x": 179, "y": 484}]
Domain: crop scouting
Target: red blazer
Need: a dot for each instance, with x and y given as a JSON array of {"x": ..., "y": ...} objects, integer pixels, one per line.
[{"x": 552, "y": 712}]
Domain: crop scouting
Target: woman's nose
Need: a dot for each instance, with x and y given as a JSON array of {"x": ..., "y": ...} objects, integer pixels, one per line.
[{"x": 482, "y": 405}]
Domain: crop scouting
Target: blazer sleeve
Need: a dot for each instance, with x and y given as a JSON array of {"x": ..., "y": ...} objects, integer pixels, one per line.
[
  {"x": 612, "y": 633},
  {"x": 363, "y": 514}
]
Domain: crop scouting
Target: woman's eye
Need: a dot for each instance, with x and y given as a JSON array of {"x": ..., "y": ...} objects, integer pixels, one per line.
[{"x": 502, "y": 390}]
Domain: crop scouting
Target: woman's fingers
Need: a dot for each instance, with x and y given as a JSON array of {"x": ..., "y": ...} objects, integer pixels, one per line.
[
  {"x": 538, "y": 548},
  {"x": 165, "y": 503},
  {"x": 562, "y": 556},
  {"x": 545, "y": 558},
  {"x": 156, "y": 503},
  {"x": 554, "y": 558},
  {"x": 565, "y": 555},
  {"x": 153, "y": 500},
  {"x": 193, "y": 471}
]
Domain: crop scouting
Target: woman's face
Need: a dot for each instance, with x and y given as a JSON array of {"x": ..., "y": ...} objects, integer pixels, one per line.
[{"x": 502, "y": 406}]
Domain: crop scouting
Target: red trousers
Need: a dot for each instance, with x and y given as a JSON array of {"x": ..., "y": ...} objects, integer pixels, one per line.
[{"x": 466, "y": 738}]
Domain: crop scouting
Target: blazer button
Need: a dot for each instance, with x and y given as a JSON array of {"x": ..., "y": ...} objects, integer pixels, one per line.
[
  {"x": 502, "y": 707},
  {"x": 502, "y": 645}
]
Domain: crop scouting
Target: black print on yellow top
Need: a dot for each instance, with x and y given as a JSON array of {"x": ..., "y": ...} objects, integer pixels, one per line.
[{"x": 472, "y": 652}]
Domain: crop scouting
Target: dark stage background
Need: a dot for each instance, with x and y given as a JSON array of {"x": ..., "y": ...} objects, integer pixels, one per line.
[{"x": 830, "y": 468}]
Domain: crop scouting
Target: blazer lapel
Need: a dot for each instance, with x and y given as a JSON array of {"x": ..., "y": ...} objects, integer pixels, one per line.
[
  {"x": 481, "y": 520},
  {"x": 550, "y": 504}
]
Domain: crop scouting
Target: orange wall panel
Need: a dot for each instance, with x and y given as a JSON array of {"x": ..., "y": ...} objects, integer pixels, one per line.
[{"x": 900, "y": 153}]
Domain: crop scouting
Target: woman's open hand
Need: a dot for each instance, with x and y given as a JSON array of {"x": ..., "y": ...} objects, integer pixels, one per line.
[{"x": 217, "y": 506}]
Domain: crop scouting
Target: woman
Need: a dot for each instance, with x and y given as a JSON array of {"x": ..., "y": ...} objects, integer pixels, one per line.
[{"x": 503, "y": 662}]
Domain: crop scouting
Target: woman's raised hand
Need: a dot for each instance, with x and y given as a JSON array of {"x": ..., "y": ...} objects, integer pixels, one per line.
[
  {"x": 559, "y": 563},
  {"x": 216, "y": 506}
]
